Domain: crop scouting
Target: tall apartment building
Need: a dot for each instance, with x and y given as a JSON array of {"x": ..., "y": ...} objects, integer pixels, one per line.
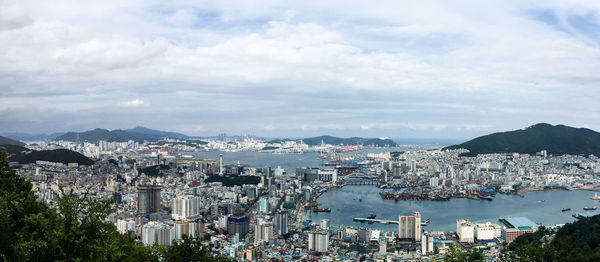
[{"x": 409, "y": 227}]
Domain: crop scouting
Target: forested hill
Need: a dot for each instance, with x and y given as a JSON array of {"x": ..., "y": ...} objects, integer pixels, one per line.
[
  {"x": 138, "y": 134},
  {"x": 557, "y": 140},
  {"x": 577, "y": 241}
]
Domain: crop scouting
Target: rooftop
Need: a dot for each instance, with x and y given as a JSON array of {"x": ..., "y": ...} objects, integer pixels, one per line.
[{"x": 517, "y": 222}]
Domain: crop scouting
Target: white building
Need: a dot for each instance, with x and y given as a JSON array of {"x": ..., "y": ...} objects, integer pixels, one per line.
[
  {"x": 485, "y": 231},
  {"x": 125, "y": 225},
  {"x": 465, "y": 230},
  {"x": 185, "y": 207},
  {"x": 318, "y": 241},
  {"x": 157, "y": 232},
  {"x": 263, "y": 231}
]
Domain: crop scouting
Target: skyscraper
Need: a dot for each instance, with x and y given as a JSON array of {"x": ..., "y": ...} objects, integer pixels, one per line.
[
  {"x": 318, "y": 241},
  {"x": 280, "y": 221},
  {"x": 238, "y": 225},
  {"x": 148, "y": 200},
  {"x": 410, "y": 226}
]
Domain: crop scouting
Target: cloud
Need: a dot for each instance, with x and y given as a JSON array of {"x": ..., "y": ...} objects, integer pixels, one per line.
[
  {"x": 431, "y": 68},
  {"x": 134, "y": 103}
]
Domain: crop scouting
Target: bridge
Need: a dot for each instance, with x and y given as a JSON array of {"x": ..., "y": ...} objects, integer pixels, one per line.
[
  {"x": 361, "y": 182},
  {"x": 361, "y": 175}
]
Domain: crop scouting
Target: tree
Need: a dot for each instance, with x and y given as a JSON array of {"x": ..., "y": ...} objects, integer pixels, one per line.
[
  {"x": 188, "y": 250},
  {"x": 458, "y": 254}
]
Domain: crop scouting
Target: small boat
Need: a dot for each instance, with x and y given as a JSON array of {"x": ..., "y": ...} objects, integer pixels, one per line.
[
  {"x": 360, "y": 199},
  {"x": 595, "y": 197},
  {"x": 566, "y": 209},
  {"x": 590, "y": 208},
  {"x": 371, "y": 216}
]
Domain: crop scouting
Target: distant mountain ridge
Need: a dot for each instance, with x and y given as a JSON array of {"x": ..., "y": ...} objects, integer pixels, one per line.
[
  {"x": 8, "y": 141},
  {"x": 138, "y": 134},
  {"x": 332, "y": 140},
  {"x": 556, "y": 140},
  {"x": 32, "y": 137}
]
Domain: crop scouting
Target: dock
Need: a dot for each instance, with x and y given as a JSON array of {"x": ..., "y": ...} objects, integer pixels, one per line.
[{"x": 381, "y": 221}]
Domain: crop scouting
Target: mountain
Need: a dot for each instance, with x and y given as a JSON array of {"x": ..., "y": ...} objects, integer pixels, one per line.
[
  {"x": 557, "y": 140},
  {"x": 577, "y": 241},
  {"x": 8, "y": 141},
  {"x": 331, "y": 140},
  {"x": 32, "y": 137},
  {"x": 148, "y": 131},
  {"x": 138, "y": 134}
]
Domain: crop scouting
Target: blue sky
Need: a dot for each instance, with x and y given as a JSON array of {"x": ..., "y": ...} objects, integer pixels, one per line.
[{"x": 412, "y": 69}]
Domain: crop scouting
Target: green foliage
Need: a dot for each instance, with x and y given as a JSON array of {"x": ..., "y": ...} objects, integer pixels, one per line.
[
  {"x": 188, "y": 250},
  {"x": 578, "y": 241},
  {"x": 458, "y": 254},
  {"x": 77, "y": 230},
  {"x": 154, "y": 170},
  {"x": 557, "y": 140},
  {"x": 64, "y": 156},
  {"x": 118, "y": 135},
  {"x": 8, "y": 141},
  {"x": 234, "y": 180}
]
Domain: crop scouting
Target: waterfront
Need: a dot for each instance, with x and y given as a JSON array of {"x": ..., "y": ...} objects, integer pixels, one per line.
[
  {"x": 540, "y": 206},
  {"x": 288, "y": 162}
]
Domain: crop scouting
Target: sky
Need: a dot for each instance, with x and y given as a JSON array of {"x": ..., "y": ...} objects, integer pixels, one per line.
[{"x": 401, "y": 69}]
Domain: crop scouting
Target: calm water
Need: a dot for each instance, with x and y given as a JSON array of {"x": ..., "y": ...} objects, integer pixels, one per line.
[
  {"x": 288, "y": 162},
  {"x": 542, "y": 207}
]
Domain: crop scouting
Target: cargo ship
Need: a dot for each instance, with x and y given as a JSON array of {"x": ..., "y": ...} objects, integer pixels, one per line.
[
  {"x": 316, "y": 209},
  {"x": 590, "y": 208}
]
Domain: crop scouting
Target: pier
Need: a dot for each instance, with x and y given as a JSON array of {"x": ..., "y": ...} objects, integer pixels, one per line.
[{"x": 360, "y": 219}]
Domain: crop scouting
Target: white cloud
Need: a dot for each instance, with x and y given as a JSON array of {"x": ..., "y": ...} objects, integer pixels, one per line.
[
  {"x": 134, "y": 103},
  {"x": 381, "y": 69}
]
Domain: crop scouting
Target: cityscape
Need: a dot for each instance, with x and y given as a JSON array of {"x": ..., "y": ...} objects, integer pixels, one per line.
[
  {"x": 213, "y": 131},
  {"x": 164, "y": 190}
]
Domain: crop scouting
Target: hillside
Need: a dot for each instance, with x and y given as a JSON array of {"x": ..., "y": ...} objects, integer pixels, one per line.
[
  {"x": 557, "y": 140},
  {"x": 138, "y": 134},
  {"x": 313, "y": 141},
  {"x": 64, "y": 156},
  {"x": 577, "y": 241},
  {"x": 148, "y": 131},
  {"x": 31, "y": 137},
  {"x": 8, "y": 141}
]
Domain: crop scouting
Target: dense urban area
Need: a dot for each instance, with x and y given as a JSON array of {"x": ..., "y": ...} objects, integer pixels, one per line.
[{"x": 162, "y": 193}]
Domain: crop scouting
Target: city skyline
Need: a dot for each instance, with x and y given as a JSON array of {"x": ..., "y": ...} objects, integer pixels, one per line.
[{"x": 419, "y": 70}]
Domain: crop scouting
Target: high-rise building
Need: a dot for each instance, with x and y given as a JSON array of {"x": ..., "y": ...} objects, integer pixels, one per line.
[
  {"x": 465, "y": 230},
  {"x": 148, "y": 200},
  {"x": 238, "y": 225},
  {"x": 318, "y": 241},
  {"x": 157, "y": 232},
  {"x": 185, "y": 207},
  {"x": 409, "y": 227},
  {"x": 280, "y": 221},
  {"x": 220, "y": 164},
  {"x": 263, "y": 231}
]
